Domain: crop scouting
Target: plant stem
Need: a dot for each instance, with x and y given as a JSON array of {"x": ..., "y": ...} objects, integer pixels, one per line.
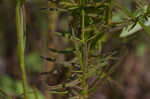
[
  {"x": 20, "y": 21},
  {"x": 84, "y": 57},
  {"x": 109, "y": 12},
  {"x": 83, "y": 25}
]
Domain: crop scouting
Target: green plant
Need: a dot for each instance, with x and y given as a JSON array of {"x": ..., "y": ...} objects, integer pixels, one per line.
[
  {"x": 88, "y": 26},
  {"x": 91, "y": 24},
  {"x": 9, "y": 85},
  {"x": 21, "y": 29}
]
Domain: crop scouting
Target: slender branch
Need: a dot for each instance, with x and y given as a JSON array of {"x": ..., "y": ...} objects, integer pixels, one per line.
[{"x": 20, "y": 21}]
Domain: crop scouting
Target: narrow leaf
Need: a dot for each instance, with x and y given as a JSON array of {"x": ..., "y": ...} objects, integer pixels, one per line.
[
  {"x": 128, "y": 31},
  {"x": 145, "y": 27}
]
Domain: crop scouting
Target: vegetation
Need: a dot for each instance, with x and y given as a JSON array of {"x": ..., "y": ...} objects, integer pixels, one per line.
[
  {"x": 98, "y": 42},
  {"x": 21, "y": 29}
]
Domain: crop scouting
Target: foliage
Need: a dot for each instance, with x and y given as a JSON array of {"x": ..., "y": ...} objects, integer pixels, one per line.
[
  {"x": 140, "y": 20},
  {"x": 92, "y": 24},
  {"x": 89, "y": 24},
  {"x": 14, "y": 87}
]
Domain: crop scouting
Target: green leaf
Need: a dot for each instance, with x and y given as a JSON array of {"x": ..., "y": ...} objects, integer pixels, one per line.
[
  {"x": 139, "y": 26},
  {"x": 129, "y": 30},
  {"x": 145, "y": 26},
  {"x": 67, "y": 50},
  {"x": 59, "y": 92}
]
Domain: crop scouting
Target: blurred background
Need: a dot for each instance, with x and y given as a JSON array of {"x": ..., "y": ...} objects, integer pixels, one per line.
[{"x": 130, "y": 77}]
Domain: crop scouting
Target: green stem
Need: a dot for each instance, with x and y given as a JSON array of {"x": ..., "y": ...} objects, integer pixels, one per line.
[
  {"x": 20, "y": 21},
  {"x": 83, "y": 25},
  {"x": 109, "y": 12},
  {"x": 84, "y": 57}
]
